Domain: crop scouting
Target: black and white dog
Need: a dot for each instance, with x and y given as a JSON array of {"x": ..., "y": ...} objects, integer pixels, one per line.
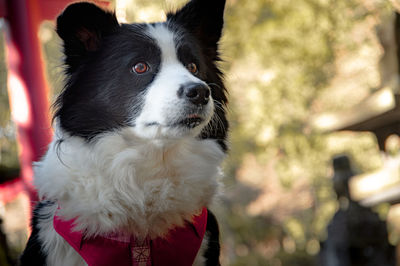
[{"x": 140, "y": 131}]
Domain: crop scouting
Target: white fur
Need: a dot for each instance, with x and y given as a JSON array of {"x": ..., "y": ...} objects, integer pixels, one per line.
[
  {"x": 161, "y": 102},
  {"x": 127, "y": 183},
  {"x": 123, "y": 182},
  {"x": 59, "y": 252},
  {"x": 200, "y": 260}
]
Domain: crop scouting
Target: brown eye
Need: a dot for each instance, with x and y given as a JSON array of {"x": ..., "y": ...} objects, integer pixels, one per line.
[
  {"x": 141, "y": 68},
  {"x": 192, "y": 68}
]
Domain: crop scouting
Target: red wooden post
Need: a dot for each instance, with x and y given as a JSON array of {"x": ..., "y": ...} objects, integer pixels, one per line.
[{"x": 28, "y": 91}]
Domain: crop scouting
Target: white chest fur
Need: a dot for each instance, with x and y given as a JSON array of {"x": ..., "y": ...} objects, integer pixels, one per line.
[{"x": 121, "y": 182}]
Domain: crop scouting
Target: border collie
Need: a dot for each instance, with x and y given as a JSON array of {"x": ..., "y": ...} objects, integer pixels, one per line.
[{"x": 140, "y": 132}]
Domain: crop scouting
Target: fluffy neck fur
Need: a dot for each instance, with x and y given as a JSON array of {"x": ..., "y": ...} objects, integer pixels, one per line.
[{"x": 121, "y": 182}]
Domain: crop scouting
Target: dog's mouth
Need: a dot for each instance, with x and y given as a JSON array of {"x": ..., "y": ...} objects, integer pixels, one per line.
[{"x": 191, "y": 121}]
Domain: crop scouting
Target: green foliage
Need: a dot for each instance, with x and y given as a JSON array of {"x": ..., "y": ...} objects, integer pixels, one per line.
[{"x": 280, "y": 56}]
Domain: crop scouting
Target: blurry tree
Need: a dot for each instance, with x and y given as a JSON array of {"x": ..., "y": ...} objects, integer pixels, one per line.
[{"x": 281, "y": 56}]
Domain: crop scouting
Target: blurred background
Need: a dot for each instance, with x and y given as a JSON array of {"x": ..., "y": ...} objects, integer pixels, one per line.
[{"x": 313, "y": 174}]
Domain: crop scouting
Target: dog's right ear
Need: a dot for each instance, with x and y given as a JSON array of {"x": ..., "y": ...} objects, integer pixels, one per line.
[{"x": 82, "y": 26}]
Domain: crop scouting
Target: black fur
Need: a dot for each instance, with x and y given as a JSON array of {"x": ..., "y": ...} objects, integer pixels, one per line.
[
  {"x": 82, "y": 27},
  {"x": 33, "y": 254},
  {"x": 100, "y": 95},
  {"x": 204, "y": 20},
  {"x": 205, "y": 25},
  {"x": 213, "y": 250}
]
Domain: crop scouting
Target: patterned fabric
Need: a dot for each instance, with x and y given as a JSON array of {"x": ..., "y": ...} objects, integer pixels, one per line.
[
  {"x": 179, "y": 248},
  {"x": 139, "y": 249},
  {"x": 141, "y": 253}
]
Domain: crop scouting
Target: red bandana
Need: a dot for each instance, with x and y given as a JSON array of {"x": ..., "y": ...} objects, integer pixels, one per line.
[{"x": 179, "y": 248}]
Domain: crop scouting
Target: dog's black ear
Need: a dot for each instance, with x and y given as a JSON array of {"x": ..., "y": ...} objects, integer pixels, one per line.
[
  {"x": 204, "y": 19},
  {"x": 82, "y": 26}
]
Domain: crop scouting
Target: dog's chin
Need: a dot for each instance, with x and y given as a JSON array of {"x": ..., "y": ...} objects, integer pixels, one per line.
[{"x": 185, "y": 126}]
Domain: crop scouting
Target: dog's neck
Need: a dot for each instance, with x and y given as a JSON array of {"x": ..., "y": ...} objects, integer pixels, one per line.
[{"x": 120, "y": 182}]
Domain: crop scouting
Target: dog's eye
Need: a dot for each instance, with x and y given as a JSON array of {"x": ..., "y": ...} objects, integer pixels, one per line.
[
  {"x": 141, "y": 68},
  {"x": 192, "y": 67}
]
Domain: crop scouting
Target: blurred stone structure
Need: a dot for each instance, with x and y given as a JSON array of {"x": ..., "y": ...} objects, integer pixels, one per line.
[{"x": 356, "y": 235}]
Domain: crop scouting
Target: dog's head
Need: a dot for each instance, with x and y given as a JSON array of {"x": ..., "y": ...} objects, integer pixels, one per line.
[{"x": 160, "y": 80}]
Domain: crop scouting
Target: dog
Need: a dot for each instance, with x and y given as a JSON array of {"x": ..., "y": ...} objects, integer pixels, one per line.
[{"x": 140, "y": 131}]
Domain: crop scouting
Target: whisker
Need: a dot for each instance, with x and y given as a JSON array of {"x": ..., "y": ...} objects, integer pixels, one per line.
[{"x": 214, "y": 84}]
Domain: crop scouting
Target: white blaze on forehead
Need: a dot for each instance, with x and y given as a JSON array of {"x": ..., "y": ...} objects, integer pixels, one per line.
[{"x": 165, "y": 40}]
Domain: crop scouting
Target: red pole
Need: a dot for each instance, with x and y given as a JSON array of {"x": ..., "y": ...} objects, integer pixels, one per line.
[{"x": 28, "y": 91}]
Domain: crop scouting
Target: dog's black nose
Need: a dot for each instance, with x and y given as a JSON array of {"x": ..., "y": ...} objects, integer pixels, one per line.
[{"x": 197, "y": 93}]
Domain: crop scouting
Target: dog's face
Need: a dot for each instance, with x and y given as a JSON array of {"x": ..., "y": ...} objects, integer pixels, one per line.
[
  {"x": 159, "y": 80},
  {"x": 177, "y": 101}
]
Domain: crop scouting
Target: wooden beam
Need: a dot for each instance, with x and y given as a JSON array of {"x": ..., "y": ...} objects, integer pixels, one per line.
[{"x": 27, "y": 86}]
